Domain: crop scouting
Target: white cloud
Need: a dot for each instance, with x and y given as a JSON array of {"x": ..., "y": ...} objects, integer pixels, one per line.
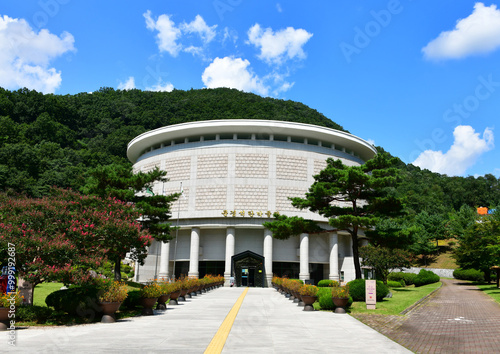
[
  {"x": 127, "y": 85},
  {"x": 234, "y": 73},
  {"x": 25, "y": 55},
  {"x": 278, "y": 7},
  {"x": 167, "y": 87},
  {"x": 199, "y": 26},
  {"x": 370, "y": 141},
  {"x": 168, "y": 33},
  {"x": 229, "y": 35},
  {"x": 478, "y": 33},
  {"x": 466, "y": 149},
  {"x": 277, "y": 47}
]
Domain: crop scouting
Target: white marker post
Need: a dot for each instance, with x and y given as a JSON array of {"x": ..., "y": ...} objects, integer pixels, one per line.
[{"x": 371, "y": 294}]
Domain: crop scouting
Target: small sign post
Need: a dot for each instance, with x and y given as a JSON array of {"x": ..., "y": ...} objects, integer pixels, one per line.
[{"x": 371, "y": 294}]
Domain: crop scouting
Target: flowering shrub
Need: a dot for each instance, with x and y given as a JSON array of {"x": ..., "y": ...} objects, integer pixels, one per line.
[
  {"x": 113, "y": 291},
  {"x": 8, "y": 299},
  {"x": 66, "y": 234},
  {"x": 341, "y": 292},
  {"x": 308, "y": 290},
  {"x": 152, "y": 289}
]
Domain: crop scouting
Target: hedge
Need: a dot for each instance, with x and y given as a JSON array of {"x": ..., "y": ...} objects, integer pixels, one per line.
[
  {"x": 325, "y": 299},
  {"x": 357, "y": 289},
  {"x": 425, "y": 277},
  {"x": 396, "y": 284},
  {"x": 408, "y": 278},
  {"x": 327, "y": 283},
  {"x": 79, "y": 300},
  {"x": 468, "y": 274}
]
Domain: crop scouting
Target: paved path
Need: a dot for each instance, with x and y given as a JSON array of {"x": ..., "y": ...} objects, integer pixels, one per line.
[
  {"x": 267, "y": 322},
  {"x": 458, "y": 318}
]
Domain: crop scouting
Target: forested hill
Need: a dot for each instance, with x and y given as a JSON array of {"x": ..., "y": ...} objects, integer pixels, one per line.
[
  {"x": 48, "y": 140},
  {"x": 53, "y": 139}
]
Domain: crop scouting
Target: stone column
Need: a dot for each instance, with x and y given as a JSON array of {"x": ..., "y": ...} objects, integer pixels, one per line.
[
  {"x": 164, "y": 261},
  {"x": 334, "y": 256},
  {"x": 304, "y": 257},
  {"x": 230, "y": 232},
  {"x": 268, "y": 256},
  {"x": 194, "y": 253}
]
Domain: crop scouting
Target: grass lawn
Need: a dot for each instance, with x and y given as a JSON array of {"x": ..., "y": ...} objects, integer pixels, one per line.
[
  {"x": 490, "y": 290},
  {"x": 402, "y": 298},
  {"x": 42, "y": 290}
]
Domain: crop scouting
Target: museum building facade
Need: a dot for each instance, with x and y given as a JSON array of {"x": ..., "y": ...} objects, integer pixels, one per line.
[{"x": 234, "y": 175}]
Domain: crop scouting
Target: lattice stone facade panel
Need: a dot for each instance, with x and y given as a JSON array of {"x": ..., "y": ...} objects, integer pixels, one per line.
[
  {"x": 291, "y": 168},
  {"x": 252, "y": 165},
  {"x": 211, "y": 198},
  {"x": 178, "y": 169},
  {"x": 212, "y": 166},
  {"x": 282, "y": 195},
  {"x": 150, "y": 166},
  {"x": 250, "y": 198},
  {"x": 318, "y": 166},
  {"x": 183, "y": 199}
]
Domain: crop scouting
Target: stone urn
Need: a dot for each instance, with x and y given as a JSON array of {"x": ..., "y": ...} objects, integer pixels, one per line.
[
  {"x": 162, "y": 302},
  {"x": 340, "y": 304},
  {"x": 4, "y": 318},
  {"x": 108, "y": 310},
  {"x": 308, "y": 302},
  {"x": 147, "y": 305},
  {"x": 173, "y": 297}
]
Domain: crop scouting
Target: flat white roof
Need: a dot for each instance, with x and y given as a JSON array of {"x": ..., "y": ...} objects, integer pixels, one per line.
[{"x": 248, "y": 126}]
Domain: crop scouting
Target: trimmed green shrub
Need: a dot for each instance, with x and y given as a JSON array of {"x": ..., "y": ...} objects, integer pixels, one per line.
[
  {"x": 325, "y": 299},
  {"x": 468, "y": 274},
  {"x": 395, "y": 284},
  {"x": 79, "y": 300},
  {"x": 408, "y": 278},
  {"x": 38, "y": 314},
  {"x": 357, "y": 290},
  {"x": 425, "y": 277},
  {"x": 299, "y": 280},
  {"x": 327, "y": 283}
]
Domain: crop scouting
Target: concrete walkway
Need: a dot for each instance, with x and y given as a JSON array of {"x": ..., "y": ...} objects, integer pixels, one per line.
[
  {"x": 458, "y": 318},
  {"x": 267, "y": 322}
]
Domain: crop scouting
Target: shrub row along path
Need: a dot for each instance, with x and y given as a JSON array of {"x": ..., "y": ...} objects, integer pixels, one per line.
[
  {"x": 458, "y": 318},
  {"x": 265, "y": 322}
]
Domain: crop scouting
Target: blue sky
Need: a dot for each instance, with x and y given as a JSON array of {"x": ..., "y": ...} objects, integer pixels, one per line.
[{"x": 419, "y": 78}]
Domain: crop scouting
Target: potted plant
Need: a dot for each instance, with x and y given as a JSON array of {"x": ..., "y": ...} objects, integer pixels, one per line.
[
  {"x": 340, "y": 297},
  {"x": 166, "y": 289},
  {"x": 175, "y": 291},
  {"x": 309, "y": 294},
  {"x": 8, "y": 300},
  {"x": 111, "y": 296},
  {"x": 149, "y": 295}
]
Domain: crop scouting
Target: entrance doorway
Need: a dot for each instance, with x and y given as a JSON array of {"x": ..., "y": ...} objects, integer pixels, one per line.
[{"x": 248, "y": 270}]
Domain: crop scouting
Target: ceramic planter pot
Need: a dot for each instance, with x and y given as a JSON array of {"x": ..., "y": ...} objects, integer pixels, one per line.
[
  {"x": 147, "y": 304},
  {"x": 109, "y": 310},
  {"x": 340, "y": 304},
  {"x": 4, "y": 318},
  {"x": 161, "y": 305},
  {"x": 308, "y": 302},
  {"x": 173, "y": 297}
]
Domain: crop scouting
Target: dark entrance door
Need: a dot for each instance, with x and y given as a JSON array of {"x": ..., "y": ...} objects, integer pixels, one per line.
[{"x": 248, "y": 269}]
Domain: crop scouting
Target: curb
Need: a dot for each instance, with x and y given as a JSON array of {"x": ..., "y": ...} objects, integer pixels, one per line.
[{"x": 405, "y": 311}]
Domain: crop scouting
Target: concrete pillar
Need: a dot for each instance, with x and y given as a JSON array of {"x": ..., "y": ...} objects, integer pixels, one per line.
[
  {"x": 268, "y": 256},
  {"x": 304, "y": 257},
  {"x": 334, "y": 256},
  {"x": 229, "y": 253},
  {"x": 164, "y": 261},
  {"x": 194, "y": 253}
]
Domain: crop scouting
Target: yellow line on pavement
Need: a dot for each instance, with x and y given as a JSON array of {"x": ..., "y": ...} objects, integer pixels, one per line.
[{"x": 218, "y": 341}]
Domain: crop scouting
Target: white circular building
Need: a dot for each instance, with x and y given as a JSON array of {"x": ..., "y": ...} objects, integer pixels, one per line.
[{"x": 234, "y": 174}]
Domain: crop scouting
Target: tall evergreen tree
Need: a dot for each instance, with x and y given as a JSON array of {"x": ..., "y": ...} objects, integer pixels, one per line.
[{"x": 353, "y": 198}]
